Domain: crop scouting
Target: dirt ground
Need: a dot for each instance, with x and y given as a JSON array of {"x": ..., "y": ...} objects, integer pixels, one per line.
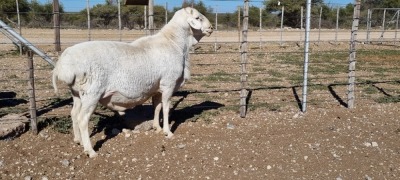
[
  {"x": 323, "y": 143},
  {"x": 328, "y": 141}
]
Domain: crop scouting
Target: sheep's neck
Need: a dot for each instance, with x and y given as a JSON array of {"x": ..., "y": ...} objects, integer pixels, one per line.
[{"x": 178, "y": 36}]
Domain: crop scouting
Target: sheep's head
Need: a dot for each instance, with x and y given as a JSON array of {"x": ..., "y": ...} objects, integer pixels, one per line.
[
  {"x": 199, "y": 24},
  {"x": 191, "y": 21}
]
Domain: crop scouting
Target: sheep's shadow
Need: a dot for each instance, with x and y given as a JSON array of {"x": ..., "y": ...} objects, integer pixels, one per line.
[
  {"x": 180, "y": 116},
  {"x": 56, "y": 103},
  {"x": 143, "y": 115},
  {"x": 106, "y": 124}
]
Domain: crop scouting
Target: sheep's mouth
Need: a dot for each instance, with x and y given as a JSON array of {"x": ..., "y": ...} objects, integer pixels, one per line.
[{"x": 208, "y": 32}]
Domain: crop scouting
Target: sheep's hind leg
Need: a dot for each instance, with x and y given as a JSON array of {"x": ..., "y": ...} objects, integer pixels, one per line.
[
  {"x": 166, "y": 104},
  {"x": 84, "y": 116},
  {"x": 156, "y": 99},
  {"x": 74, "y": 116}
]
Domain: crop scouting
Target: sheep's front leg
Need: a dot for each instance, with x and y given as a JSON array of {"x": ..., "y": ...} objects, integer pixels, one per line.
[
  {"x": 76, "y": 107},
  {"x": 165, "y": 106},
  {"x": 156, "y": 99},
  {"x": 84, "y": 116}
]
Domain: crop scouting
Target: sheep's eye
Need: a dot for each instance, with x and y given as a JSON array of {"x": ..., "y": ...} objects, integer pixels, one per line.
[{"x": 198, "y": 18}]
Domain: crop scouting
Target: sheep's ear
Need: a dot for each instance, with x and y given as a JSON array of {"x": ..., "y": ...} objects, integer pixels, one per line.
[
  {"x": 194, "y": 23},
  {"x": 189, "y": 10}
]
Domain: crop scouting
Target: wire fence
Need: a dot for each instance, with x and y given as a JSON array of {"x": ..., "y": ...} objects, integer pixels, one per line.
[{"x": 274, "y": 70}]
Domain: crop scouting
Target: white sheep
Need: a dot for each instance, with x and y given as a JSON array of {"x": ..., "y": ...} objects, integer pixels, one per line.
[{"x": 122, "y": 75}]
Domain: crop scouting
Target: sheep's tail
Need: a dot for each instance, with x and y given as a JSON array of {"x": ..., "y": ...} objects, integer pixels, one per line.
[{"x": 54, "y": 79}]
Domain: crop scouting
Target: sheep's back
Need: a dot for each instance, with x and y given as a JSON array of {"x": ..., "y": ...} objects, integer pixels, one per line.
[{"x": 134, "y": 69}]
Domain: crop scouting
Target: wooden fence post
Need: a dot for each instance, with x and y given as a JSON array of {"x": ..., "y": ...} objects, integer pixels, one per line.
[
  {"x": 31, "y": 93},
  {"x": 243, "y": 64},
  {"x": 151, "y": 17},
  {"x": 56, "y": 18},
  {"x": 352, "y": 58},
  {"x": 238, "y": 25}
]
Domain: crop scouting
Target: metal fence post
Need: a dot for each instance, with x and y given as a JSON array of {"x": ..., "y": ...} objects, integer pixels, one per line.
[
  {"x": 88, "y": 19},
  {"x": 282, "y": 14},
  {"x": 337, "y": 23},
  {"x": 166, "y": 12},
  {"x": 306, "y": 54},
  {"x": 216, "y": 29},
  {"x": 319, "y": 25},
  {"x": 243, "y": 64},
  {"x": 31, "y": 93},
  {"x": 369, "y": 12},
  {"x": 352, "y": 59},
  {"x": 301, "y": 22},
  {"x": 397, "y": 27},
  {"x": 260, "y": 28},
  {"x": 383, "y": 25},
  {"x": 145, "y": 19},
  {"x": 119, "y": 20}
]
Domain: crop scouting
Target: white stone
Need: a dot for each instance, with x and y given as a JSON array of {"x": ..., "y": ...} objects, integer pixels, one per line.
[
  {"x": 374, "y": 144},
  {"x": 367, "y": 144}
]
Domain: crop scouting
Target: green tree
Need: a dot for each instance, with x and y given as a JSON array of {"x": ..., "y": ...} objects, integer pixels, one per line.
[
  {"x": 8, "y": 10},
  {"x": 41, "y": 15},
  {"x": 104, "y": 14},
  {"x": 132, "y": 17},
  {"x": 200, "y": 6},
  {"x": 292, "y": 10}
]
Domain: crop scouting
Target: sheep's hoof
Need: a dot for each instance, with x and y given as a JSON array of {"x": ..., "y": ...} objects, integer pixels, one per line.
[
  {"x": 157, "y": 129},
  {"x": 169, "y": 135},
  {"x": 77, "y": 141},
  {"x": 91, "y": 153}
]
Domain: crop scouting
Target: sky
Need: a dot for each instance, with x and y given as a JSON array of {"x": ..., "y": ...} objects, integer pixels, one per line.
[{"x": 218, "y": 5}]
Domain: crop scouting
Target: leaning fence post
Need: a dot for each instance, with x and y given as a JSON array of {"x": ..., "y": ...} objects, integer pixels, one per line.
[
  {"x": 243, "y": 64},
  {"x": 352, "y": 58},
  {"x": 31, "y": 93}
]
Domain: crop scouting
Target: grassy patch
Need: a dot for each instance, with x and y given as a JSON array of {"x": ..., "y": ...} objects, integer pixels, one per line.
[
  {"x": 59, "y": 124},
  {"x": 220, "y": 76},
  {"x": 259, "y": 69},
  {"x": 295, "y": 79},
  {"x": 290, "y": 58},
  {"x": 275, "y": 73},
  {"x": 388, "y": 99},
  {"x": 317, "y": 87},
  {"x": 265, "y": 105},
  {"x": 386, "y": 56},
  {"x": 370, "y": 90},
  {"x": 206, "y": 116}
]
